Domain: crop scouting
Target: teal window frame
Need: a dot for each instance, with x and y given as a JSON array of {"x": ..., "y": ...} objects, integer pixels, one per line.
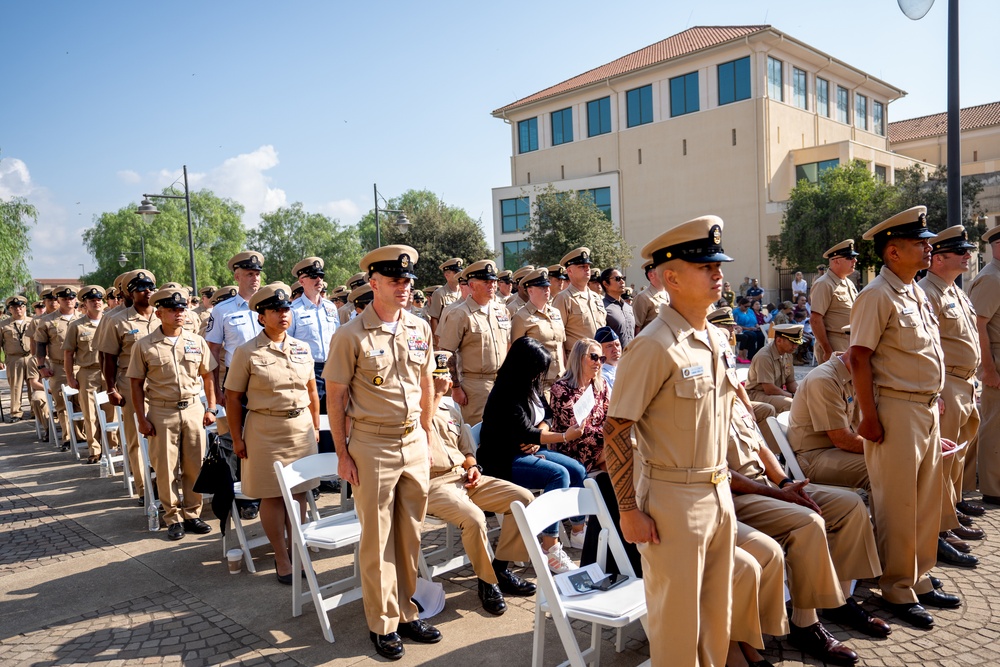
[
  {"x": 843, "y": 105},
  {"x": 599, "y": 117},
  {"x": 639, "y": 105},
  {"x": 775, "y": 84},
  {"x": 601, "y": 198},
  {"x": 562, "y": 126},
  {"x": 527, "y": 133},
  {"x": 878, "y": 118},
  {"x": 513, "y": 253},
  {"x": 684, "y": 94},
  {"x": 514, "y": 215},
  {"x": 823, "y": 97},
  {"x": 735, "y": 82},
  {"x": 860, "y": 111},
  {"x": 800, "y": 89},
  {"x": 813, "y": 170}
]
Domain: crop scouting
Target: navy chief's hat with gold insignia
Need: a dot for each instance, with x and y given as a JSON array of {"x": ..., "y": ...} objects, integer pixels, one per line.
[
  {"x": 273, "y": 296},
  {"x": 393, "y": 261},
  {"x": 953, "y": 239},
  {"x": 696, "y": 241},
  {"x": 170, "y": 298}
]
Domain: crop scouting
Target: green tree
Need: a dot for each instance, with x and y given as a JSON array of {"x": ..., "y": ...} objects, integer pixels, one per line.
[
  {"x": 289, "y": 234},
  {"x": 561, "y": 221},
  {"x": 912, "y": 189},
  {"x": 218, "y": 234},
  {"x": 437, "y": 231},
  {"x": 844, "y": 203},
  {"x": 16, "y": 218}
]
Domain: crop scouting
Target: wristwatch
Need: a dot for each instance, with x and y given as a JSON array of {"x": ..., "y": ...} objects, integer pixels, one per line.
[{"x": 214, "y": 411}]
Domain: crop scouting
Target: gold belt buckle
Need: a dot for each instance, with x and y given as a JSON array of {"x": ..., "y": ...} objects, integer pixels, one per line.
[
  {"x": 719, "y": 475},
  {"x": 292, "y": 414},
  {"x": 408, "y": 428}
]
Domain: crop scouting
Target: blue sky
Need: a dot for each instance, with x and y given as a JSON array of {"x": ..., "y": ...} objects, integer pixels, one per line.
[{"x": 272, "y": 103}]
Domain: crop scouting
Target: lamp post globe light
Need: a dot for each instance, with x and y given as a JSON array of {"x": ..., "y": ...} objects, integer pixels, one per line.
[{"x": 148, "y": 211}]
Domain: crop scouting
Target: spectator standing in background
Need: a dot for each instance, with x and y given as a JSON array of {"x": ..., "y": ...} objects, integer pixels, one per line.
[
  {"x": 755, "y": 292},
  {"x": 620, "y": 316},
  {"x": 799, "y": 286}
]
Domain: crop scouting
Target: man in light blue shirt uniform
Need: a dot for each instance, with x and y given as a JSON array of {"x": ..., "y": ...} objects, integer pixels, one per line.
[{"x": 314, "y": 321}]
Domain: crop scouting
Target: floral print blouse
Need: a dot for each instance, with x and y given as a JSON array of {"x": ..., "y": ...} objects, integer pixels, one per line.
[{"x": 589, "y": 448}]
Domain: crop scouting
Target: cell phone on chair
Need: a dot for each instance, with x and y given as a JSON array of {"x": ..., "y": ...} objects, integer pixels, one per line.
[{"x": 609, "y": 582}]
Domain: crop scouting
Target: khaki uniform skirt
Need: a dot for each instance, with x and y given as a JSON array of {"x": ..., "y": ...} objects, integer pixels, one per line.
[{"x": 269, "y": 439}]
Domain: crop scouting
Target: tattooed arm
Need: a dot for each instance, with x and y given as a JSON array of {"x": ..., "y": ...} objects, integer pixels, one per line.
[{"x": 637, "y": 526}]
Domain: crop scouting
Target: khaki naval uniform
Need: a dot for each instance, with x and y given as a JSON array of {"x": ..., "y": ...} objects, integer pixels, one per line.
[
  {"x": 646, "y": 305},
  {"x": 479, "y": 336},
  {"x": 39, "y": 406},
  {"x": 514, "y": 304},
  {"x": 172, "y": 372},
  {"x": 383, "y": 372},
  {"x": 821, "y": 551},
  {"x": 16, "y": 345},
  {"x": 546, "y": 327},
  {"x": 758, "y": 588},
  {"x": 582, "y": 313},
  {"x": 52, "y": 331},
  {"x": 825, "y": 401},
  {"x": 440, "y": 300},
  {"x": 674, "y": 383},
  {"x": 833, "y": 297},
  {"x": 895, "y": 321},
  {"x": 450, "y": 442},
  {"x": 770, "y": 367},
  {"x": 984, "y": 292},
  {"x": 960, "y": 421},
  {"x": 80, "y": 341}
]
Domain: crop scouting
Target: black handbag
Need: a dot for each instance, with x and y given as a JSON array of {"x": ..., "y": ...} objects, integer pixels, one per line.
[{"x": 216, "y": 478}]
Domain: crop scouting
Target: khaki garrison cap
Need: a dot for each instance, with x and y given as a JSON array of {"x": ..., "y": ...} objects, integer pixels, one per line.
[
  {"x": 454, "y": 264},
  {"x": 522, "y": 272},
  {"x": 224, "y": 294},
  {"x": 247, "y": 259},
  {"x": 696, "y": 241},
  {"x": 208, "y": 290},
  {"x": 16, "y": 300},
  {"x": 361, "y": 296},
  {"x": 484, "y": 269},
  {"x": 953, "y": 239},
  {"x": 842, "y": 249},
  {"x": 506, "y": 276},
  {"x": 790, "y": 332},
  {"x": 64, "y": 292},
  {"x": 576, "y": 256},
  {"x": 910, "y": 224},
  {"x": 393, "y": 261},
  {"x": 47, "y": 294},
  {"x": 170, "y": 298},
  {"x": 991, "y": 235},
  {"x": 357, "y": 280},
  {"x": 537, "y": 278},
  {"x": 139, "y": 279},
  {"x": 91, "y": 292},
  {"x": 311, "y": 266},
  {"x": 558, "y": 271},
  {"x": 273, "y": 296},
  {"x": 722, "y": 317}
]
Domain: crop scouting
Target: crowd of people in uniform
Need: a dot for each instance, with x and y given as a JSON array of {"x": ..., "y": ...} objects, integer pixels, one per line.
[{"x": 711, "y": 521}]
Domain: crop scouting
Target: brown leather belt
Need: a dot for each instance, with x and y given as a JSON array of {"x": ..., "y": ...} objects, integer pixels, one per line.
[
  {"x": 912, "y": 397},
  {"x": 688, "y": 475},
  {"x": 956, "y": 371},
  {"x": 384, "y": 429},
  {"x": 287, "y": 414}
]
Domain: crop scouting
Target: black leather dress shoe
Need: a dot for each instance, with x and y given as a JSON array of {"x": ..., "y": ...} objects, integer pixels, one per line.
[
  {"x": 175, "y": 531},
  {"x": 992, "y": 500},
  {"x": 511, "y": 584},
  {"x": 955, "y": 541},
  {"x": 968, "y": 533},
  {"x": 388, "y": 646},
  {"x": 971, "y": 509},
  {"x": 420, "y": 631},
  {"x": 492, "y": 598},
  {"x": 936, "y": 583},
  {"x": 911, "y": 613},
  {"x": 820, "y": 644},
  {"x": 939, "y": 600},
  {"x": 964, "y": 519},
  {"x": 952, "y": 556},
  {"x": 196, "y": 526},
  {"x": 852, "y": 615}
]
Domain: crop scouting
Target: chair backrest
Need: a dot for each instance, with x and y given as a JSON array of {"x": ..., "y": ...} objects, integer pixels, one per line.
[
  {"x": 52, "y": 411},
  {"x": 298, "y": 472},
  {"x": 69, "y": 391},
  {"x": 477, "y": 432},
  {"x": 779, "y": 433},
  {"x": 783, "y": 418},
  {"x": 743, "y": 374}
]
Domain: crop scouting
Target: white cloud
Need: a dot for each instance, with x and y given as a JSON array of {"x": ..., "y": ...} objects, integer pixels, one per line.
[
  {"x": 344, "y": 210},
  {"x": 129, "y": 177},
  {"x": 15, "y": 180}
]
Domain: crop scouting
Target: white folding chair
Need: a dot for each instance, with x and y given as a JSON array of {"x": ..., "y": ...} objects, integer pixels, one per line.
[
  {"x": 53, "y": 436},
  {"x": 72, "y": 417},
  {"x": 117, "y": 426},
  {"x": 615, "y": 608},
  {"x": 14, "y": 409},
  {"x": 336, "y": 531},
  {"x": 148, "y": 474},
  {"x": 779, "y": 434},
  {"x": 783, "y": 418},
  {"x": 743, "y": 374},
  {"x": 237, "y": 527}
]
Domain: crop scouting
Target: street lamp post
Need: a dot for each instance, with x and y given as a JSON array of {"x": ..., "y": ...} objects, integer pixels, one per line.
[
  {"x": 122, "y": 259},
  {"x": 149, "y": 211},
  {"x": 402, "y": 222}
]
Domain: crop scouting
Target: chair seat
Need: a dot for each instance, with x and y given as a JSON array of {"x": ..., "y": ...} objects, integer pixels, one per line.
[
  {"x": 619, "y": 606},
  {"x": 333, "y": 532}
]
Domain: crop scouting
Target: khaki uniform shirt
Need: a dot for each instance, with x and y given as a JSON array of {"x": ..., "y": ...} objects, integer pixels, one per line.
[
  {"x": 956, "y": 324},
  {"x": 825, "y": 401},
  {"x": 52, "y": 332},
  {"x": 770, "y": 367},
  {"x": 274, "y": 378},
  {"x": 382, "y": 370},
  {"x": 546, "y": 327},
  {"x": 14, "y": 337},
  {"x": 984, "y": 292},
  {"x": 36, "y": 322},
  {"x": 106, "y": 317},
  {"x": 833, "y": 298},
  {"x": 172, "y": 370},
  {"x": 514, "y": 304},
  {"x": 480, "y": 335},
  {"x": 679, "y": 391},
  {"x": 80, "y": 341},
  {"x": 450, "y": 440},
  {"x": 896, "y": 322},
  {"x": 344, "y": 313},
  {"x": 582, "y": 313},
  {"x": 119, "y": 335},
  {"x": 646, "y": 305},
  {"x": 441, "y": 298},
  {"x": 743, "y": 445}
]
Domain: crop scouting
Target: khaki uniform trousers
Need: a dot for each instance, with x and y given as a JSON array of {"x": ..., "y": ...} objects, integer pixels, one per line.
[
  {"x": 391, "y": 500},
  {"x": 40, "y": 408},
  {"x": 17, "y": 377},
  {"x": 449, "y": 500},
  {"x": 688, "y": 576},
  {"x": 989, "y": 441},
  {"x": 821, "y": 551},
  {"x": 91, "y": 380},
  {"x": 837, "y": 340},
  {"x": 56, "y": 383},
  {"x": 179, "y": 442},
  {"x": 477, "y": 390},
  {"x": 758, "y": 588},
  {"x": 131, "y": 433},
  {"x": 779, "y": 403},
  {"x": 905, "y": 473},
  {"x": 959, "y": 423},
  {"x": 761, "y": 411},
  {"x": 835, "y": 467}
]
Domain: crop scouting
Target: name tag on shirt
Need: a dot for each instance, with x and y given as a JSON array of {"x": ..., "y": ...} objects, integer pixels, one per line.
[
  {"x": 305, "y": 318},
  {"x": 236, "y": 318},
  {"x": 132, "y": 331},
  {"x": 692, "y": 372},
  {"x": 907, "y": 311},
  {"x": 374, "y": 353}
]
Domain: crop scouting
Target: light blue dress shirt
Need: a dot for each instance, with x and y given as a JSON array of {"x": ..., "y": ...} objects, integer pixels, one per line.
[
  {"x": 232, "y": 323},
  {"x": 314, "y": 324}
]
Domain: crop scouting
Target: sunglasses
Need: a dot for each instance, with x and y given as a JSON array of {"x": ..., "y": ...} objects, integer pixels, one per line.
[
  {"x": 620, "y": 279},
  {"x": 597, "y": 357}
]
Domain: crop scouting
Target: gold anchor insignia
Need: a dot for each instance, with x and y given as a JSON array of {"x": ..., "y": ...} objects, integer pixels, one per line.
[{"x": 716, "y": 235}]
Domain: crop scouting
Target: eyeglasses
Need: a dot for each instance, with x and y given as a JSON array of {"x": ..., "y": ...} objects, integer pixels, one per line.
[{"x": 597, "y": 357}]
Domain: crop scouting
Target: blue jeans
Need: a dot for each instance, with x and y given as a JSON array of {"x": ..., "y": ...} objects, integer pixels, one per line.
[{"x": 555, "y": 471}]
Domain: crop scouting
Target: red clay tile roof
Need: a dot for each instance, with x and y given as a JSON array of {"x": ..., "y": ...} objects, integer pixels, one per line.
[
  {"x": 683, "y": 43},
  {"x": 936, "y": 124}
]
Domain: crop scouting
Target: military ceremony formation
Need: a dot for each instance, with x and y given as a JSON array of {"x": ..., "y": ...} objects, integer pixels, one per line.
[{"x": 664, "y": 435}]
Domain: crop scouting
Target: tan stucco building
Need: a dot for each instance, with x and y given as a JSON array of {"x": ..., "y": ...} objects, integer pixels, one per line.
[{"x": 720, "y": 120}]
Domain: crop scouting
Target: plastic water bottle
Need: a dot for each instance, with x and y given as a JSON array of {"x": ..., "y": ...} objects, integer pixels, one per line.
[
  {"x": 153, "y": 515},
  {"x": 104, "y": 466}
]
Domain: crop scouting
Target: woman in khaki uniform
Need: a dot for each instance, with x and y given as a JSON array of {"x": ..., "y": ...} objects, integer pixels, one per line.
[
  {"x": 540, "y": 320},
  {"x": 275, "y": 371}
]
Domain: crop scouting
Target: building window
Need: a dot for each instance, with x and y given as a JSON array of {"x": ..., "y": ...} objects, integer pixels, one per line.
[
  {"x": 812, "y": 171},
  {"x": 601, "y": 197},
  {"x": 514, "y": 215},
  {"x": 860, "y": 112},
  {"x": 684, "y": 94},
  {"x": 514, "y": 253},
  {"x": 799, "y": 96},
  {"x": 823, "y": 97},
  {"x": 878, "y": 118},
  {"x": 774, "y": 88},
  {"x": 843, "y": 106},
  {"x": 598, "y": 117},
  {"x": 527, "y": 132},
  {"x": 562, "y": 126},
  {"x": 640, "y": 105},
  {"x": 734, "y": 81},
  {"x": 880, "y": 173}
]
